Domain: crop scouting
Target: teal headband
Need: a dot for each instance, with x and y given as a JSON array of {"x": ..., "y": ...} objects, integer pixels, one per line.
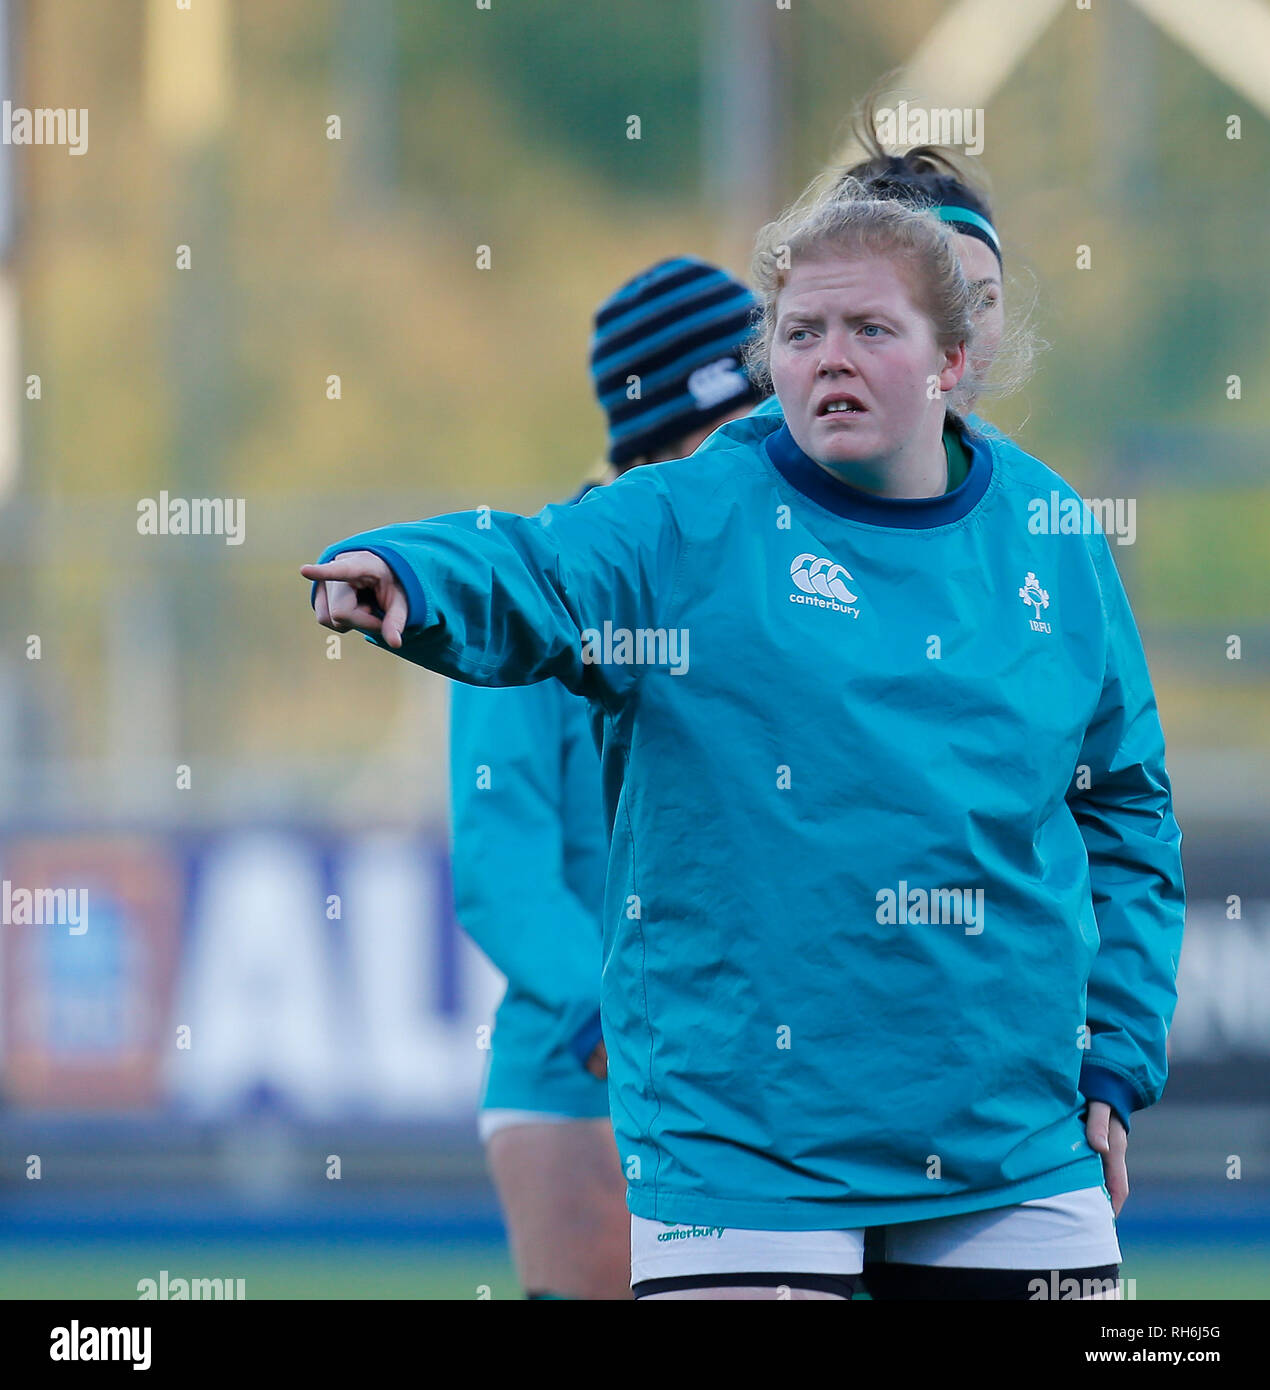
[{"x": 976, "y": 225}]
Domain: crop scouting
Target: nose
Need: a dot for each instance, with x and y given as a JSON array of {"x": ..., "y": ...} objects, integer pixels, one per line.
[{"x": 834, "y": 356}]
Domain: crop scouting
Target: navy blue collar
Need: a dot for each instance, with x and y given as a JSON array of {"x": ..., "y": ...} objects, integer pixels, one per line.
[{"x": 911, "y": 513}]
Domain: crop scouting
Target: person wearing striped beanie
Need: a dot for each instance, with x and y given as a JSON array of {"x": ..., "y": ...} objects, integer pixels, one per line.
[{"x": 667, "y": 360}]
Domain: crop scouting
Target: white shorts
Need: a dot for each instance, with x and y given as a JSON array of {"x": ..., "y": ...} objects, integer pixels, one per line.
[
  {"x": 491, "y": 1121},
  {"x": 1075, "y": 1230}
]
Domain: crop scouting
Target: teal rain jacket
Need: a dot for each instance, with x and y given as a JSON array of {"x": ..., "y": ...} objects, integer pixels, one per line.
[{"x": 894, "y": 881}]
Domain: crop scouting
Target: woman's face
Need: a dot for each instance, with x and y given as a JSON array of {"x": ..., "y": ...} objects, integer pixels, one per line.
[
  {"x": 848, "y": 332},
  {"x": 979, "y": 266}
]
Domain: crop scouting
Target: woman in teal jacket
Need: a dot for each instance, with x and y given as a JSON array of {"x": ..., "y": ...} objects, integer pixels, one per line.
[{"x": 894, "y": 868}]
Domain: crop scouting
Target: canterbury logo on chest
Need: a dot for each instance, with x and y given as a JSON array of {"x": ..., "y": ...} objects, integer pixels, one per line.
[{"x": 823, "y": 584}]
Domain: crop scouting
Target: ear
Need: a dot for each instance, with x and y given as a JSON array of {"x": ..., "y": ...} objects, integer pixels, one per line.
[{"x": 954, "y": 366}]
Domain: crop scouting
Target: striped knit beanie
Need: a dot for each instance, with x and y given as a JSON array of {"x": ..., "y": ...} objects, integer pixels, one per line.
[{"x": 666, "y": 354}]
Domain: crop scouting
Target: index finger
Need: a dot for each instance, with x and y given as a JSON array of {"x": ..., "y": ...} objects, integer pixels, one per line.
[{"x": 333, "y": 569}]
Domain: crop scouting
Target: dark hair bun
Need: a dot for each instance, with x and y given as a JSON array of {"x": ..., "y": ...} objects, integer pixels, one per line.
[{"x": 927, "y": 175}]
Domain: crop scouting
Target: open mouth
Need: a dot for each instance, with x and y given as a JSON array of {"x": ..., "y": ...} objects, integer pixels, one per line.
[{"x": 840, "y": 405}]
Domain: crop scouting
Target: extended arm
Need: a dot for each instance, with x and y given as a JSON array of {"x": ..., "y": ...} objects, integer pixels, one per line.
[{"x": 493, "y": 598}]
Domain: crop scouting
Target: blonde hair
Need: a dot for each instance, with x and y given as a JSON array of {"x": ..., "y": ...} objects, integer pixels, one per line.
[{"x": 844, "y": 219}]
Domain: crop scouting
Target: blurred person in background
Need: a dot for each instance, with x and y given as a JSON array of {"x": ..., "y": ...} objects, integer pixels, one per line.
[{"x": 530, "y": 843}]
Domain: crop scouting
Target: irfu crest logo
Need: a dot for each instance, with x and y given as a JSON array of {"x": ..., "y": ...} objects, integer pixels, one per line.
[{"x": 1033, "y": 594}]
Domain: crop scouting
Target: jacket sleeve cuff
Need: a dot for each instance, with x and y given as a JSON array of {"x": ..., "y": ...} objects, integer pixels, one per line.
[
  {"x": 587, "y": 1039},
  {"x": 1096, "y": 1083}
]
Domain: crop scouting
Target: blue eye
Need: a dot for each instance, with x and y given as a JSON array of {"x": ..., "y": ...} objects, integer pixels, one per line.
[
  {"x": 872, "y": 329},
  {"x": 794, "y": 331}
]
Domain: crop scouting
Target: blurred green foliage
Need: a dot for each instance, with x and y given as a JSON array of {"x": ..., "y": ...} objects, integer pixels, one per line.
[{"x": 463, "y": 386}]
